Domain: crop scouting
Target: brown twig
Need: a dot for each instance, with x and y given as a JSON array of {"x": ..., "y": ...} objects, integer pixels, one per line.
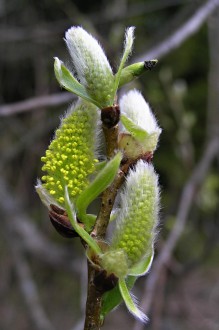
[
  {"x": 94, "y": 297},
  {"x": 107, "y": 201},
  {"x": 93, "y": 304}
]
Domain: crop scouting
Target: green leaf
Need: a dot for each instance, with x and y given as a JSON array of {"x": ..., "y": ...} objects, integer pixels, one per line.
[
  {"x": 88, "y": 221},
  {"x": 79, "y": 230},
  {"x": 127, "y": 50},
  {"x": 136, "y": 131},
  {"x": 103, "y": 179},
  {"x": 143, "y": 266},
  {"x": 100, "y": 165},
  {"x": 132, "y": 307},
  {"x": 68, "y": 81},
  {"x": 113, "y": 298}
]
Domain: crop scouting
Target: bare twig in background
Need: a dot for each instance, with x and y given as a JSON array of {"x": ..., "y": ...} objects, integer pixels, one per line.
[
  {"x": 181, "y": 34},
  {"x": 26, "y": 141},
  {"x": 83, "y": 296},
  {"x": 28, "y": 287},
  {"x": 31, "y": 239},
  {"x": 53, "y": 100},
  {"x": 184, "y": 146},
  {"x": 165, "y": 47},
  {"x": 213, "y": 80},
  {"x": 117, "y": 11},
  {"x": 46, "y": 31},
  {"x": 185, "y": 204},
  {"x": 27, "y": 284},
  {"x": 156, "y": 317}
]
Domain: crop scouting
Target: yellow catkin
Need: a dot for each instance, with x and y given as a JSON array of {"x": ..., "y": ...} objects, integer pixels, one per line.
[{"x": 70, "y": 157}]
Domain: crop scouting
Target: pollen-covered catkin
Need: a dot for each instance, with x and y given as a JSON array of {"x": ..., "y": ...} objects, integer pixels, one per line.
[{"x": 70, "y": 157}]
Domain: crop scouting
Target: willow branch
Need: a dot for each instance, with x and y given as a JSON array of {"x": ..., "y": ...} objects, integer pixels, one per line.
[{"x": 94, "y": 297}]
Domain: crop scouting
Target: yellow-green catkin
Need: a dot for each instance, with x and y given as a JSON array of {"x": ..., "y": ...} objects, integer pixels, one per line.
[
  {"x": 137, "y": 221},
  {"x": 70, "y": 157}
]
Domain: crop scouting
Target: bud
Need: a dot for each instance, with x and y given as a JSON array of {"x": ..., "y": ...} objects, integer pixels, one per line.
[
  {"x": 70, "y": 157},
  {"x": 133, "y": 71},
  {"x": 91, "y": 65},
  {"x": 137, "y": 221},
  {"x": 139, "y": 132}
]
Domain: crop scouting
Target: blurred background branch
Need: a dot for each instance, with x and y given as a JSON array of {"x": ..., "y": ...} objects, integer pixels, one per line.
[
  {"x": 181, "y": 33},
  {"x": 36, "y": 102}
]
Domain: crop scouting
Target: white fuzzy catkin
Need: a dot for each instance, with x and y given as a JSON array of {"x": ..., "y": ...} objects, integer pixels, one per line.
[
  {"x": 134, "y": 106},
  {"x": 132, "y": 139},
  {"x": 138, "y": 218},
  {"x": 92, "y": 67}
]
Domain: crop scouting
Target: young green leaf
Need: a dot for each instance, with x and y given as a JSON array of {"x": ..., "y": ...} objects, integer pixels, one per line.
[
  {"x": 130, "y": 304},
  {"x": 103, "y": 179},
  {"x": 143, "y": 266},
  {"x": 68, "y": 81},
  {"x": 130, "y": 73},
  {"x": 100, "y": 165},
  {"x": 79, "y": 230},
  {"x": 127, "y": 50},
  {"x": 113, "y": 298},
  {"x": 136, "y": 131},
  {"x": 133, "y": 71}
]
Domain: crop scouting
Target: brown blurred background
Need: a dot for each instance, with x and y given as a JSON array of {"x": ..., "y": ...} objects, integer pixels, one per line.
[{"x": 42, "y": 275}]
